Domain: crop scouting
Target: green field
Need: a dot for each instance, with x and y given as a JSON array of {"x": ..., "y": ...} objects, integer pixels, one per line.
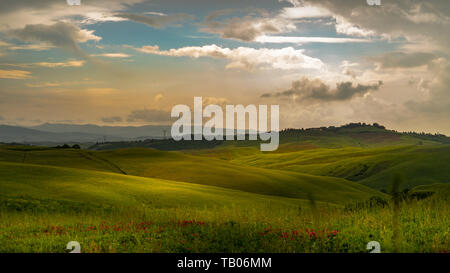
[{"x": 323, "y": 193}]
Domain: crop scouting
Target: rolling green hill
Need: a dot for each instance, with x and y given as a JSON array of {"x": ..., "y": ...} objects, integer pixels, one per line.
[
  {"x": 437, "y": 190},
  {"x": 374, "y": 167},
  {"x": 39, "y": 184},
  {"x": 230, "y": 197},
  {"x": 335, "y": 165},
  {"x": 182, "y": 167}
]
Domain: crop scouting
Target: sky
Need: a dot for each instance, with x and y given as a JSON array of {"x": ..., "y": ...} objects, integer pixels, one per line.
[{"x": 325, "y": 62}]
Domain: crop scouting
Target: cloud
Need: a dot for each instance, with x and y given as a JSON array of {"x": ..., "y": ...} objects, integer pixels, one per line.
[
  {"x": 14, "y": 74},
  {"x": 112, "y": 55},
  {"x": 403, "y": 60},
  {"x": 17, "y": 14},
  {"x": 214, "y": 100},
  {"x": 111, "y": 119},
  {"x": 155, "y": 13},
  {"x": 261, "y": 29},
  {"x": 437, "y": 103},
  {"x": 158, "y": 98},
  {"x": 61, "y": 64},
  {"x": 149, "y": 115},
  {"x": 3, "y": 44},
  {"x": 35, "y": 47},
  {"x": 345, "y": 27},
  {"x": 45, "y": 84},
  {"x": 247, "y": 28},
  {"x": 347, "y": 69},
  {"x": 304, "y": 40},
  {"x": 71, "y": 63},
  {"x": 302, "y": 11},
  {"x": 61, "y": 34},
  {"x": 417, "y": 21},
  {"x": 245, "y": 58},
  {"x": 155, "y": 21},
  {"x": 306, "y": 89}
]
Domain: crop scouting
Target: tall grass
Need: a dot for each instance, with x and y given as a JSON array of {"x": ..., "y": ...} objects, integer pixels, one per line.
[{"x": 424, "y": 226}]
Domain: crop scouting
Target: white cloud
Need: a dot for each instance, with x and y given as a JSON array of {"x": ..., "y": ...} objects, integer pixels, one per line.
[
  {"x": 247, "y": 28},
  {"x": 344, "y": 27},
  {"x": 304, "y": 40},
  {"x": 155, "y": 13},
  {"x": 18, "y": 14},
  {"x": 300, "y": 12},
  {"x": 85, "y": 35},
  {"x": 244, "y": 57},
  {"x": 420, "y": 22},
  {"x": 112, "y": 55}
]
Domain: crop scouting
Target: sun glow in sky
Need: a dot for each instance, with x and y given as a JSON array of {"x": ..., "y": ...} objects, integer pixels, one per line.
[{"x": 129, "y": 62}]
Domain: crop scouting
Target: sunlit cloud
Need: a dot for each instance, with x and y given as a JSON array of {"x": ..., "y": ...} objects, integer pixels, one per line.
[
  {"x": 111, "y": 55},
  {"x": 245, "y": 57},
  {"x": 14, "y": 74},
  {"x": 61, "y": 64}
]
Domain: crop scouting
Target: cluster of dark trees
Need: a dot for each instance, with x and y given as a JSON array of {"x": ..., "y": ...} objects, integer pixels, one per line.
[
  {"x": 67, "y": 146},
  {"x": 363, "y": 124},
  {"x": 328, "y": 131},
  {"x": 432, "y": 137},
  {"x": 334, "y": 128}
]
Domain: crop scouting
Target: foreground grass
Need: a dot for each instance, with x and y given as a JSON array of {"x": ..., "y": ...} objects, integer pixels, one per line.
[{"x": 424, "y": 227}]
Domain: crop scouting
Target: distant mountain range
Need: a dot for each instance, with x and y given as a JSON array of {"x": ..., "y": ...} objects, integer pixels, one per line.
[
  {"x": 124, "y": 132},
  {"x": 59, "y": 133}
]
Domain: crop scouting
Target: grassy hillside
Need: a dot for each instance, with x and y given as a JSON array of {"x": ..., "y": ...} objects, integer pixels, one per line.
[
  {"x": 227, "y": 199},
  {"x": 437, "y": 190},
  {"x": 373, "y": 167},
  {"x": 207, "y": 171},
  {"x": 72, "y": 158},
  {"x": 178, "y": 166},
  {"x": 42, "y": 208},
  {"x": 367, "y": 154},
  {"x": 42, "y": 184}
]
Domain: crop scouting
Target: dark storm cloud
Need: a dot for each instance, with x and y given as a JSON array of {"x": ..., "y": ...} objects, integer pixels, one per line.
[{"x": 307, "y": 89}]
